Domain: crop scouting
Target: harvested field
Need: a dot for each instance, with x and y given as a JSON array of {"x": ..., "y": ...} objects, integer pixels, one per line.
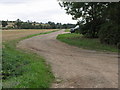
[{"x": 15, "y": 34}]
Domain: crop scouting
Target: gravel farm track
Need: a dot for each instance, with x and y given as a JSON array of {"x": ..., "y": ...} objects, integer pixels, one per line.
[{"x": 74, "y": 67}]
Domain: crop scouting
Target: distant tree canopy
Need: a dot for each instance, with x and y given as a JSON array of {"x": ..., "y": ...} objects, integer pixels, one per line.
[
  {"x": 4, "y": 23},
  {"x": 96, "y": 19},
  {"x": 19, "y": 24}
]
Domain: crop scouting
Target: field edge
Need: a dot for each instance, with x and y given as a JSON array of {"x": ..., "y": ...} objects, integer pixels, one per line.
[
  {"x": 21, "y": 80},
  {"x": 91, "y": 44}
]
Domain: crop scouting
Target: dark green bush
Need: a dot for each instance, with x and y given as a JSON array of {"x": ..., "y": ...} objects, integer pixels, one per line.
[
  {"x": 91, "y": 29},
  {"x": 110, "y": 34},
  {"x": 10, "y": 27}
]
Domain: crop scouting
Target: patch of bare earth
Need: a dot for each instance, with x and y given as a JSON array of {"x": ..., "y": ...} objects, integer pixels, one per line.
[{"x": 75, "y": 67}]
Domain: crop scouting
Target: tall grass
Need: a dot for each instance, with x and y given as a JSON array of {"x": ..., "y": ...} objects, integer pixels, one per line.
[
  {"x": 82, "y": 42},
  {"x": 67, "y": 30}
]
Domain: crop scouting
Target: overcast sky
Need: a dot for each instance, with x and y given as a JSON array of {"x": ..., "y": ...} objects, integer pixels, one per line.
[{"x": 34, "y": 10}]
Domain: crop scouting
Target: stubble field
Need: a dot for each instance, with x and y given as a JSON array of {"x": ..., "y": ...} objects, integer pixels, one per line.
[{"x": 15, "y": 34}]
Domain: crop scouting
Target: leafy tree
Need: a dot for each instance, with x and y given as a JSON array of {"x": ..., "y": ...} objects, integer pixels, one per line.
[
  {"x": 64, "y": 26},
  {"x": 110, "y": 30},
  {"x": 96, "y": 19},
  {"x": 4, "y": 23},
  {"x": 18, "y": 23},
  {"x": 52, "y": 24},
  {"x": 89, "y": 13},
  {"x": 58, "y": 25},
  {"x": 27, "y": 25}
]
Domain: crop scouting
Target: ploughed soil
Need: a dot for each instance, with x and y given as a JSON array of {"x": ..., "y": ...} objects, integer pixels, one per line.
[{"x": 74, "y": 67}]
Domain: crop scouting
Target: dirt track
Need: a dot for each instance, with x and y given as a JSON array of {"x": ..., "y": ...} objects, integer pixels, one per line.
[{"x": 74, "y": 67}]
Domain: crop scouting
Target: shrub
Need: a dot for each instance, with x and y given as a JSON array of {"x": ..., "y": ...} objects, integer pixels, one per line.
[
  {"x": 10, "y": 27},
  {"x": 109, "y": 34},
  {"x": 90, "y": 29}
]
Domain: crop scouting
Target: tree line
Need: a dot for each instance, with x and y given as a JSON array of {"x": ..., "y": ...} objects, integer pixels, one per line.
[
  {"x": 18, "y": 24},
  {"x": 96, "y": 19}
]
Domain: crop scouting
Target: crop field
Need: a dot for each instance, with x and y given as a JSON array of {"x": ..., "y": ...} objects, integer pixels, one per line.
[{"x": 15, "y": 34}]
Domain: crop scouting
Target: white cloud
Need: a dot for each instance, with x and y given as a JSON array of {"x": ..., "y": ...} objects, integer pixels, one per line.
[{"x": 34, "y": 10}]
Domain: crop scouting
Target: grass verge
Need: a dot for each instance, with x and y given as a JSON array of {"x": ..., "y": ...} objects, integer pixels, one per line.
[
  {"x": 22, "y": 69},
  {"x": 86, "y": 43},
  {"x": 67, "y": 30}
]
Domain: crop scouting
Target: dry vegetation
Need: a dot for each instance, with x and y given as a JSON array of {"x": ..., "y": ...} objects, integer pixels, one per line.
[{"x": 15, "y": 34}]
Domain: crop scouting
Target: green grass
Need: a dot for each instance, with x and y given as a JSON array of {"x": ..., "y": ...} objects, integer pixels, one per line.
[
  {"x": 22, "y": 69},
  {"x": 86, "y": 43},
  {"x": 67, "y": 30}
]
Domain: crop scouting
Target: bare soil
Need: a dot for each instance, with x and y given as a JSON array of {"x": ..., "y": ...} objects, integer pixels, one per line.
[{"x": 74, "y": 67}]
